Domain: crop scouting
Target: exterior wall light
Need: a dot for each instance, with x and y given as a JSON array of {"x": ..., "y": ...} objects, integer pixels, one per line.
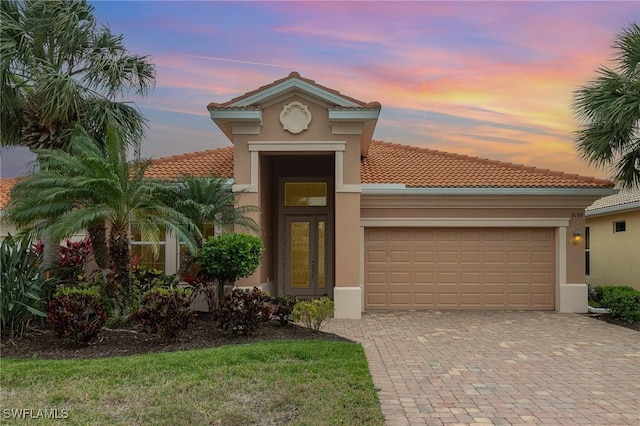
[{"x": 577, "y": 237}]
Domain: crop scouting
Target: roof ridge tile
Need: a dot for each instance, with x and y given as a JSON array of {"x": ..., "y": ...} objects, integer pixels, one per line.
[
  {"x": 292, "y": 74},
  {"x": 189, "y": 154}
]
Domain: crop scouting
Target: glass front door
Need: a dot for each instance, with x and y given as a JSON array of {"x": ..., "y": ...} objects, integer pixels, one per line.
[{"x": 305, "y": 263}]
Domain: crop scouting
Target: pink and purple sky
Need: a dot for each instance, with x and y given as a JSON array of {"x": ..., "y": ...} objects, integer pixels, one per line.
[{"x": 487, "y": 79}]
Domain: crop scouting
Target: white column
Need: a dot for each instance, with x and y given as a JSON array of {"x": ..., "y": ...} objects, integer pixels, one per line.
[{"x": 171, "y": 253}]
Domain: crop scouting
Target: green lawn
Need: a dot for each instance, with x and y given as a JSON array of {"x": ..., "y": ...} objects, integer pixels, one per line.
[{"x": 272, "y": 383}]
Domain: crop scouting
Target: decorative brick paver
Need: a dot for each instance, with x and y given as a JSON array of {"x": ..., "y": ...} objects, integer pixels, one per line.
[{"x": 499, "y": 368}]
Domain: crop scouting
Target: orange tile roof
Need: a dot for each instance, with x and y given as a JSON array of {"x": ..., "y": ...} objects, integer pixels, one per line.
[
  {"x": 401, "y": 164},
  {"x": 426, "y": 168},
  {"x": 5, "y": 189},
  {"x": 291, "y": 75},
  {"x": 217, "y": 162},
  {"x": 386, "y": 163}
]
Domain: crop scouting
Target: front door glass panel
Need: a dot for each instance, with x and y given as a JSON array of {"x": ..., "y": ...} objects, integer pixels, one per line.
[
  {"x": 321, "y": 253},
  {"x": 307, "y": 253},
  {"x": 300, "y": 255},
  {"x": 305, "y": 194}
]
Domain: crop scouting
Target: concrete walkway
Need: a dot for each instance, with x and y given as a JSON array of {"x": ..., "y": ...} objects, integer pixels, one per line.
[{"x": 499, "y": 368}]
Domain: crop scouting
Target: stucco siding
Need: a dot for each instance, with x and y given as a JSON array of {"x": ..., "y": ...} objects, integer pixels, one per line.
[{"x": 615, "y": 256}]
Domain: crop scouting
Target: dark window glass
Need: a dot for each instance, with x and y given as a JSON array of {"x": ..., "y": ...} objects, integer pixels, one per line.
[
  {"x": 587, "y": 266},
  {"x": 620, "y": 226},
  {"x": 587, "y": 246},
  {"x": 587, "y": 239}
]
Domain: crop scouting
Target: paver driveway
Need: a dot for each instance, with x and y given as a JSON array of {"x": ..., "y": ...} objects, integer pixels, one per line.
[{"x": 502, "y": 368}]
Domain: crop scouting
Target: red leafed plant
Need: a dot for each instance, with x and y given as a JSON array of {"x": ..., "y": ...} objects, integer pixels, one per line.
[{"x": 73, "y": 259}]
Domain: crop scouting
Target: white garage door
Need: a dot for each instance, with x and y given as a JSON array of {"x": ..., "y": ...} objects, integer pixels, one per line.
[{"x": 459, "y": 268}]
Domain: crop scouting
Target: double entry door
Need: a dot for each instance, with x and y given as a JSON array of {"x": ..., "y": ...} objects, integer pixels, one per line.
[{"x": 307, "y": 255}]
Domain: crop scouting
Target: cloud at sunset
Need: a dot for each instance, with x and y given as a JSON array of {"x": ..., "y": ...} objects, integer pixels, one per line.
[{"x": 488, "y": 79}]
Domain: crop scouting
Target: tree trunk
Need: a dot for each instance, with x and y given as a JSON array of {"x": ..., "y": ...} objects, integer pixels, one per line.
[
  {"x": 50, "y": 254},
  {"x": 185, "y": 265},
  {"x": 221, "y": 284},
  {"x": 98, "y": 235},
  {"x": 120, "y": 253}
]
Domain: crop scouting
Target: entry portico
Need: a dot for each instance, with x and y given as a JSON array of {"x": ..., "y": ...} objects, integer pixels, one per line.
[{"x": 297, "y": 150}]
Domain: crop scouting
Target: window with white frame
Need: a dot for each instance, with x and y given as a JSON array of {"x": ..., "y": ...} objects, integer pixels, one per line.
[
  {"x": 208, "y": 231},
  {"x": 142, "y": 252},
  {"x": 619, "y": 226}
]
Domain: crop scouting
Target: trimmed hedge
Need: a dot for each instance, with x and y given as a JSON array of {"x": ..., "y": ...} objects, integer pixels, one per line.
[
  {"x": 165, "y": 311},
  {"x": 242, "y": 311},
  {"x": 76, "y": 314},
  {"x": 623, "y": 302}
]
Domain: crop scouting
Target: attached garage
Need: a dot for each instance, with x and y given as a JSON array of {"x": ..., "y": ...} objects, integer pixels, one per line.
[{"x": 459, "y": 268}]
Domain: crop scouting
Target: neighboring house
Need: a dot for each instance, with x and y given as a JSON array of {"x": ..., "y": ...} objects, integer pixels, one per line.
[
  {"x": 5, "y": 189},
  {"x": 376, "y": 225},
  {"x": 613, "y": 240}
]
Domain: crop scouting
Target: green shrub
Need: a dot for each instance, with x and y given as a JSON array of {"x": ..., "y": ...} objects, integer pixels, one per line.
[
  {"x": 76, "y": 314},
  {"x": 22, "y": 287},
  {"x": 145, "y": 279},
  {"x": 623, "y": 302},
  {"x": 314, "y": 313},
  {"x": 227, "y": 257},
  {"x": 243, "y": 311},
  {"x": 165, "y": 311},
  {"x": 283, "y": 308}
]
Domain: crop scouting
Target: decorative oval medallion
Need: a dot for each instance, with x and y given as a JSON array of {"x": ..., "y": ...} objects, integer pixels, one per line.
[{"x": 295, "y": 117}]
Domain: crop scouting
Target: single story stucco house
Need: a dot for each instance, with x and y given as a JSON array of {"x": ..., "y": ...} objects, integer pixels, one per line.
[
  {"x": 377, "y": 225},
  {"x": 612, "y": 240}
]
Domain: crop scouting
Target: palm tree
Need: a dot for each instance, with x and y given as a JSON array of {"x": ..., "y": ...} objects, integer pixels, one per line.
[
  {"x": 58, "y": 68},
  {"x": 209, "y": 202},
  {"x": 608, "y": 108},
  {"x": 90, "y": 184}
]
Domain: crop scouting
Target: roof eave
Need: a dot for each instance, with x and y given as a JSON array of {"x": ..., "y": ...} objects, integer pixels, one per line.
[
  {"x": 293, "y": 84},
  {"x": 620, "y": 208},
  {"x": 401, "y": 189},
  {"x": 226, "y": 119}
]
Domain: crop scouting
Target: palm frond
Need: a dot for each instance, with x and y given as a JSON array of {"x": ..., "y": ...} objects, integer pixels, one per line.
[
  {"x": 58, "y": 68},
  {"x": 608, "y": 109}
]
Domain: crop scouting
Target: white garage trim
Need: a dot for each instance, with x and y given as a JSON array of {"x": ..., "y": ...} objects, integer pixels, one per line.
[
  {"x": 463, "y": 222},
  {"x": 560, "y": 223},
  {"x": 401, "y": 189}
]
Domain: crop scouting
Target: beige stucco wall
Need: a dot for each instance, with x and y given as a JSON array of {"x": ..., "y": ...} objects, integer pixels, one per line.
[
  {"x": 252, "y": 199},
  {"x": 347, "y": 240},
  {"x": 319, "y": 128},
  {"x": 575, "y": 249},
  {"x": 615, "y": 257}
]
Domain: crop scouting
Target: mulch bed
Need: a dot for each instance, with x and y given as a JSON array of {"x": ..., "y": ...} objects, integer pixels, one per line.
[
  {"x": 132, "y": 341},
  {"x": 611, "y": 320},
  {"x": 204, "y": 333}
]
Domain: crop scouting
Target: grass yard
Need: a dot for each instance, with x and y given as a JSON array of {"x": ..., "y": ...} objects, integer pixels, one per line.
[{"x": 270, "y": 383}]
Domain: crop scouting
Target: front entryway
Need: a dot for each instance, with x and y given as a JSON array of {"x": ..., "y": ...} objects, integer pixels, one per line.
[
  {"x": 306, "y": 252},
  {"x": 305, "y": 236}
]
